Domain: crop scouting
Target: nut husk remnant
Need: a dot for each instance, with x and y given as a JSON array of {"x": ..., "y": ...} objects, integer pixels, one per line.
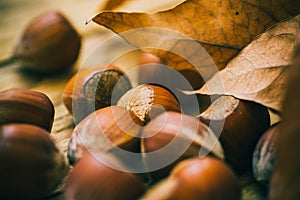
[
  {"x": 94, "y": 88},
  {"x": 147, "y": 101}
]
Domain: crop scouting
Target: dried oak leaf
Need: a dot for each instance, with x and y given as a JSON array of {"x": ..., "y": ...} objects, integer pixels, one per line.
[
  {"x": 222, "y": 27},
  {"x": 259, "y": 72}
]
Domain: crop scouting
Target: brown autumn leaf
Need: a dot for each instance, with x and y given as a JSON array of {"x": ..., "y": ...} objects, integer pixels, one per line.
[
  {"x": 223, "y": 28},
  {"x": 259, "y": 72}
]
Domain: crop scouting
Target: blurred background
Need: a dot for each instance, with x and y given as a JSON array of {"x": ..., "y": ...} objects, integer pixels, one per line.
[{"x": 15, "y": 14}]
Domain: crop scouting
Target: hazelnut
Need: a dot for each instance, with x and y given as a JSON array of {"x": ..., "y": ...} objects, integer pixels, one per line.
[
  {"x": 172, "y": 137},
  {"x": 94, "y": 88},
  {"x": 155, "y": 72},
  {"x": 49, "y": 44},
  {"x": 151, "y": 70},
  {"x": 264, "y": 156},
  {"x": 32, "y": 166},
  {"x": 103, "y": 130},
  {"x": 147, "y": 101},
  {"x": 26, "y": 106},
  {"x": 91, "y": 178},
  {"x": 239, "y": 124},
  {"x": 198, "y": 178}
]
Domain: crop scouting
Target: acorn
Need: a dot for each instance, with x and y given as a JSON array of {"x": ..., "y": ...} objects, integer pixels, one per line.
[
  {"x": 239, "y": 124},
  {"x": 198, "y": 178},
  {"x": 172, "y": 137},
  {"x": 102, "y": 177},
  {"x": 26, "y": 106},
  {"x": 49, "y": 44},
  {"x": 93, "y": 88},
  {"x": 105, "y": 130},
  {"x": 147, "y": 101},
  {"x": 264, "y": 156},
  {"x": 32, "y": 166}
]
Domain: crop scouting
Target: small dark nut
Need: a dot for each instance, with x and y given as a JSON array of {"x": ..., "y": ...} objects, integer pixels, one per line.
[
  {"x": 32, "y": 166},
  {"x": 103, "y": 130},
  {"x": 147, "y": 101},
  {"x": 239, "y": 124},
  {"x": 94, "y": 88},
  {"x": 49, "y": 44},
  {"x": 264, "y": 156},
  {"x": 92, "y": 178},
  {"x": 26, "y": 106}
]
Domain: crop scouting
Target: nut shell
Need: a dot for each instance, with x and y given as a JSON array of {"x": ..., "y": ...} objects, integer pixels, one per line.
[
  {"x": 31, "y": 164},
  {"x": 207, "y": 178},
  {"x": 94, "y": 88},
  {"x": 26, "y": 106},
  {"x": 198, "y": 178},
  {"x": 147, "y": 101},
  {"x": 172, "y": 137},
  {"x": 154, "y": 71},
  {"x": 92, "y": 179},
  {"x": 264, "y": 156},
  {"x": 239, "y": 124},
  {"x": 104, "y": 130},
  {"x": 151, "y": 70},
  {"x": 49, "y": 44}
]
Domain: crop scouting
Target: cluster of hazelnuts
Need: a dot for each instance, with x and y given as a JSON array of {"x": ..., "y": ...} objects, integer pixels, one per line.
[
  {"x": 205, "y": 153},
  {"x": 112, "y": 117},
  {"x": 32, "y": 164}
]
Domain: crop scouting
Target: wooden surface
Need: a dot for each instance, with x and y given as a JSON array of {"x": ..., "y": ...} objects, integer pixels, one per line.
[{"x": 15, "y": 14}]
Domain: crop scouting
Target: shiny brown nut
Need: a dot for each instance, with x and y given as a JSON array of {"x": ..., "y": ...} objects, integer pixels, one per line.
[
  {"x": 172, "y": 137},
  {"x": 103, "y": 130},
  {"x": 198, "y": 178},
  {"x": 49, "y": 44},
  {"x": 147, "y": 101},
  {"x": 239, "y": 124},
  {"x": 26, "y": 106},
  {"x": 32, "y": 166},
  {"x": 264, "y": 156},
  {"x": 92, "y": 178},
  {"x": 94, "y": 88}
]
